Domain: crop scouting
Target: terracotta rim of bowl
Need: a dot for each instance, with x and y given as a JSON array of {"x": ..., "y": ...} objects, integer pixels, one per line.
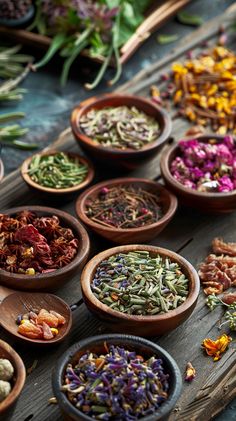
[
  {"x": 134, "y": 342},
  {"x": 87, "y": 104},
  {"x": 166, "y": 159},
  {"x": 1, "y": 170},
  {"x": 77, "y": 187},
  {"x": 81, "y": 201},
  {"x": 20, "y": 376},
  {"x": 73, "y": 223},
  {"x": 190, "y": 273}
]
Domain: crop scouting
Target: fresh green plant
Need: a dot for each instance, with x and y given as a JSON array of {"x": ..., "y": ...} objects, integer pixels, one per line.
[{"x": 101, "y": 27}]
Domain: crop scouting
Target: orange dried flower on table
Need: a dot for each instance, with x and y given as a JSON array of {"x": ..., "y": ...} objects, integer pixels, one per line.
[{"x": 216, "y": 348}]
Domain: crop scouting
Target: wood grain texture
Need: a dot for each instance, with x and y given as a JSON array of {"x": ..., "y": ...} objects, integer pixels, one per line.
[{"x": 190, "y": 234}]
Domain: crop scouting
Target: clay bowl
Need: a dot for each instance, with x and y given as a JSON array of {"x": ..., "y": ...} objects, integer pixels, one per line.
[
  {"x": 16, "y": 303},
  {"x": 51, "y": 280},
  {"x": 7, "y": 406},
  {"x": 142, "y": 325},
  {"x": 1, "y": 170},
  {"x": 133, "y": 343},
  {"x": 168, "y": 202},
  {"x": 204, "y": 201},
  {"x": 57, "y": 192},
  {"x": 129, "y": 158}
]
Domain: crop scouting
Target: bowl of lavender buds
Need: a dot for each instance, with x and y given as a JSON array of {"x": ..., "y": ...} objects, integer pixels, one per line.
[
  {"x": 16, "y": 13},
  {"x": 202, "y": 172},
  {"x": 140, "y": 289},
  {"x": 126, "y": 210},
  {"x": 116, "y": 377},
  {"x": 124, "y": 131}
]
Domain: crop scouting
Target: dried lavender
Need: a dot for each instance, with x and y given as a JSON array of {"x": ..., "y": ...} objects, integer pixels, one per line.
[
  {"x": 14, "y": 9},
  {"x": 137, "y": 283},
  {"x": 120, "y": 127},
  {"x": 119, "y": 385}
]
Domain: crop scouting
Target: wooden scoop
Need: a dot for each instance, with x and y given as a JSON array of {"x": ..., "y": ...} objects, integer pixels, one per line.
[{"x": 14, "y": 303}]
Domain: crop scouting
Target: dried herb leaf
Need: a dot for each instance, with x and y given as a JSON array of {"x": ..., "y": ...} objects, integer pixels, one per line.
[
  {"x": 167, "y": 39},
  {"x": 187, "y": 19}
]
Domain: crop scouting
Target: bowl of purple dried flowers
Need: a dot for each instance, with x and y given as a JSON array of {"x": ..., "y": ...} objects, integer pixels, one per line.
[
  {"x": 102, "y": 377},
  {"x": 202, "y": 172}
]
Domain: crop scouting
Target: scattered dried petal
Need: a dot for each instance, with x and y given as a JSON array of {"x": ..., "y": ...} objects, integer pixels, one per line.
[
  {"x": 217, "y": 347},
  {"x": 190, "y": 372}
]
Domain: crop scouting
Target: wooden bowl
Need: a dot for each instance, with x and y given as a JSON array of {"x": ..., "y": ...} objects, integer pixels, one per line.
[
  {"x": 128, "y": 158},
  {"x": 1, "y": 170},
  {"x": 58, "y": 192},
  {"x": 168, "y": 203},
  {"x": 51, "y": 280},
  {"x": 132, "y": 343},
  {"x": 7, "y": 406},
  {"x": 204, "y": 201},
  {"x": 142, "y": 325},
  {"x": 22, "y": 302}
]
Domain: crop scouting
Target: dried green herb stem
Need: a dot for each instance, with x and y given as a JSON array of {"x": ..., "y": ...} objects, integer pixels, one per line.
[
  {"x": 58, "y": 171},
  {"x": 124, "y": 207},
  {"x": 120, "y": 127},
  {"x": 137, "y": 283}
]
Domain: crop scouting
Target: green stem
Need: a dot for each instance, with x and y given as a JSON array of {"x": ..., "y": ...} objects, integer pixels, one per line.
[
  {"x": 101, "y": 71},
  {"x": 115, "y": 41},
  {"x": 56, "y": 44},
  {"x": 79, "y": 46},
  {"x": 11, "y": 116}
]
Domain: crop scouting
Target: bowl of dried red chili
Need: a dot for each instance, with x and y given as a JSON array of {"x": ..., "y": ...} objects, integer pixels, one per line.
[
  {"x": 126, "y": 210},
  {"x": 140, "y": 289},
  {"x": 121, "y": 130},
  {"x": 42, "y": 248},
  {"x": 104, "y": 377},
  {"x": 202, "y": 172}
]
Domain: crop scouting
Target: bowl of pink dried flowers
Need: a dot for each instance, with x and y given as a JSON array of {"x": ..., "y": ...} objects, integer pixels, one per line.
[
  {"x": 202, "y": 172},
  {"x": 41, "y": 248}
]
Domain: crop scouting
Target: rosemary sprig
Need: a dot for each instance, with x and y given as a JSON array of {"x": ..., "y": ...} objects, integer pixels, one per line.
[
  {"x": 12, "y": 63},
  {"x": 9, "y": 135}
]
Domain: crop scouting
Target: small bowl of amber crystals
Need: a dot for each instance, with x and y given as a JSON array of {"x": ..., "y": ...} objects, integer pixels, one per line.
[{"x": 41, "y": 248}]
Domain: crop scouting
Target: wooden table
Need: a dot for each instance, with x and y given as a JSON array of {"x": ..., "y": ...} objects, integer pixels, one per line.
[{"x": 190, "y": 234}]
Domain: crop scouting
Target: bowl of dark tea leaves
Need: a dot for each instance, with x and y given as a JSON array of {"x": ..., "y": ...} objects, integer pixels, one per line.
[
  {"x": 126, "y": 210},
  {"x": 121, "y": 130},
  {"x": 140, "y": 289}
]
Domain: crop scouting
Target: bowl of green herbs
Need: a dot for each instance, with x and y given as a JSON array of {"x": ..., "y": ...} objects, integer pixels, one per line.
[
  {"x": 57, "y": 173},
  {"x": 120, "y": 130},
  {"x": 140, "y": 289}
]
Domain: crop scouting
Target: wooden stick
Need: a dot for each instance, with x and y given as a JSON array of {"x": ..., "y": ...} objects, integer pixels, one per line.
[{"x": 144, "y": 31}]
